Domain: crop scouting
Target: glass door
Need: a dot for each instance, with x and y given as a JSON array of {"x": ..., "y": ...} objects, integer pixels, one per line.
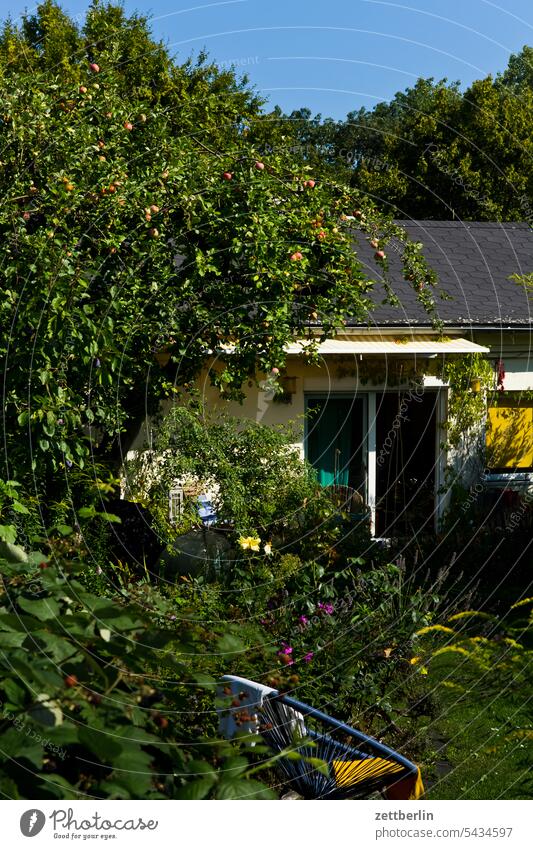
[{"x": 336, "y": 440}]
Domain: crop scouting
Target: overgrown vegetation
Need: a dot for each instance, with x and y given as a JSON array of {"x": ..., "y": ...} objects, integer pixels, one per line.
[{"x": 142, "y": 235}]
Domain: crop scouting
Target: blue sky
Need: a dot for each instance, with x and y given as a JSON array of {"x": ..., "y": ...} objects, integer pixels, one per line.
[{"x": 337, "y": 55}]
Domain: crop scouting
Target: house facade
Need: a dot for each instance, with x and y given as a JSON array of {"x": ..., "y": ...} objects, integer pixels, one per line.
[{"x": 373, "y": 413}]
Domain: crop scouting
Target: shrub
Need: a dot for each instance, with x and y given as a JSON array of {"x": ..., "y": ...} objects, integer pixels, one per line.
[
  {"x": 257, "y": 478},
  {"x": 99, "y": 696}
]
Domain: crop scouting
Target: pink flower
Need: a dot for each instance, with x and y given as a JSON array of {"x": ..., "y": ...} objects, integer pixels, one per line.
[
  {"x": 308, "y": 657},
  {"x": 303, "y": 619},
  {"x": 326, "y": 607},
  {"x": 287, "y": 649}
]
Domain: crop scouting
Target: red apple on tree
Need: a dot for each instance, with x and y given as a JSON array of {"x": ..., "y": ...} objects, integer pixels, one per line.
[
  {"x": 94, "y": 67},
  {"x": 310, "y": 184},
  {"x": 374, "y": 243},
  {"x": 128, "y": 126},
  {"x": 260, "y": 166},
  {"x": 380, "y": 255},
  {"x": 83, "y": 89},
  {"x": 296, "y": 256},
  {"x": 227, "y": 175}
]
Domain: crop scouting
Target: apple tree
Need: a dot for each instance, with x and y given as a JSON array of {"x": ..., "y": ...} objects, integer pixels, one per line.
[{"x": 139, "y": 223}]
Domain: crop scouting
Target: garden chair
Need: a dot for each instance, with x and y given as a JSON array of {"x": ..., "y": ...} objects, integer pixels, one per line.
[{"x": 322, "y": 758}]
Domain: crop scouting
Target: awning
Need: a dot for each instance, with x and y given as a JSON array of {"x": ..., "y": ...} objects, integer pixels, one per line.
[{"x": 375, "y": 344}]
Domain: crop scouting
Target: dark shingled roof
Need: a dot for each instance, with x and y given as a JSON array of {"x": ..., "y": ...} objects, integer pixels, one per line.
[{"x": 473, "y": 262}]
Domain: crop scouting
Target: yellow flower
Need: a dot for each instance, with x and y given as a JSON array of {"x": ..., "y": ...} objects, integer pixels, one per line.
[
  {"x": 521, "y": 602},
  {"x": 467, "y": 613},
  {"x": 452, "y": 649},
  {"x": 267, "y": 548},
  {"x": 429, "y": 628},
  {"x": 252, "y": 543}
]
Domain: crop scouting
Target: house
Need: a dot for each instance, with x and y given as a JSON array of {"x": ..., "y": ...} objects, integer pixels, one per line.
[{"x": 374, "y": 413}]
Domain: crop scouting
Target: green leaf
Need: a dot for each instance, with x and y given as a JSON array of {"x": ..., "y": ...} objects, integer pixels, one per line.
[
  {"x": 110, "y": 517},
  {"x": 197, "y": 789},
  {"x": 10, "y": 641},
  {"x": 43, "y": 608},
  {"x": 243, "y": 789},
  {"x": 104, "y": 745},
  {"x": 19, "y": 746},
  {"x": 234, "y": 767},
  {"x": 8, "y": 533},
  {"x": 204, "y": 680},
  {"x": 56, "y": 786},
  {"x": 229, "y": 644},
  {"x": 14, "y": 692},
  {"x": 12, "y": 553},
  {"x": 134, "y": 759}
]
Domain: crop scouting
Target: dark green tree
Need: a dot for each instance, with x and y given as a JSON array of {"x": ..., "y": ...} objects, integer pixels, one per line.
[{"x": 434, "y": 151}]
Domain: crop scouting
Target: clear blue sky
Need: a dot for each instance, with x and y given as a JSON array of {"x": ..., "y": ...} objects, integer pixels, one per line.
[{"x": 336, "y": 55}]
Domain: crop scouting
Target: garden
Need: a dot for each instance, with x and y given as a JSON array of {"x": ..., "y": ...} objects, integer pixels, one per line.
[
  {"x": 110, "y": 661},
  {"x": 141, "y": 232}
]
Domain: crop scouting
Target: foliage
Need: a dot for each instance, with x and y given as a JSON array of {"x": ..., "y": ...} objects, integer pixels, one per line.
[
  {"x": 341, "y": 628},
  {"x": 434, "y": 151},
  {"x": 257, "y": 479},
  {"x": 139, "y": 218},
  {"x": 480, "y": 666},
  {"x": 467, "y": 407},
  {"x": 10, "y": 505},
  {"x": 99, "y": 709}
]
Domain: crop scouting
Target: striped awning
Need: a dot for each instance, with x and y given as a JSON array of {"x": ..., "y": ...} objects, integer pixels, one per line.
[{"x": 378, "y": 344}]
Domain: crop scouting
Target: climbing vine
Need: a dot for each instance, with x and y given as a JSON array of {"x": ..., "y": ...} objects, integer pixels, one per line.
[{"x": 467, "y": 403}]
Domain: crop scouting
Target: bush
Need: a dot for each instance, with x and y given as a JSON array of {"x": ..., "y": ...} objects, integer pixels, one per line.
[
  {"x": 99, "y": 696},
  {"x": 258, "y": 480}
]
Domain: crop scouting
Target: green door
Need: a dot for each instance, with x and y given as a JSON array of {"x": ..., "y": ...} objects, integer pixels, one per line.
[{"x": 333, "y": 444}]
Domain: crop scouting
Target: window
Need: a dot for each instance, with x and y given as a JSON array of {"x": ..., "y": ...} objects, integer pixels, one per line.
[
  {"x": 175, "y": 504},
  {"x": 509, "y": 435}
]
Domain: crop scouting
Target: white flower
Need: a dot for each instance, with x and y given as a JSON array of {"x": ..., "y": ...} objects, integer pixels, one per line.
[{"x": 267, "y": 548}]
